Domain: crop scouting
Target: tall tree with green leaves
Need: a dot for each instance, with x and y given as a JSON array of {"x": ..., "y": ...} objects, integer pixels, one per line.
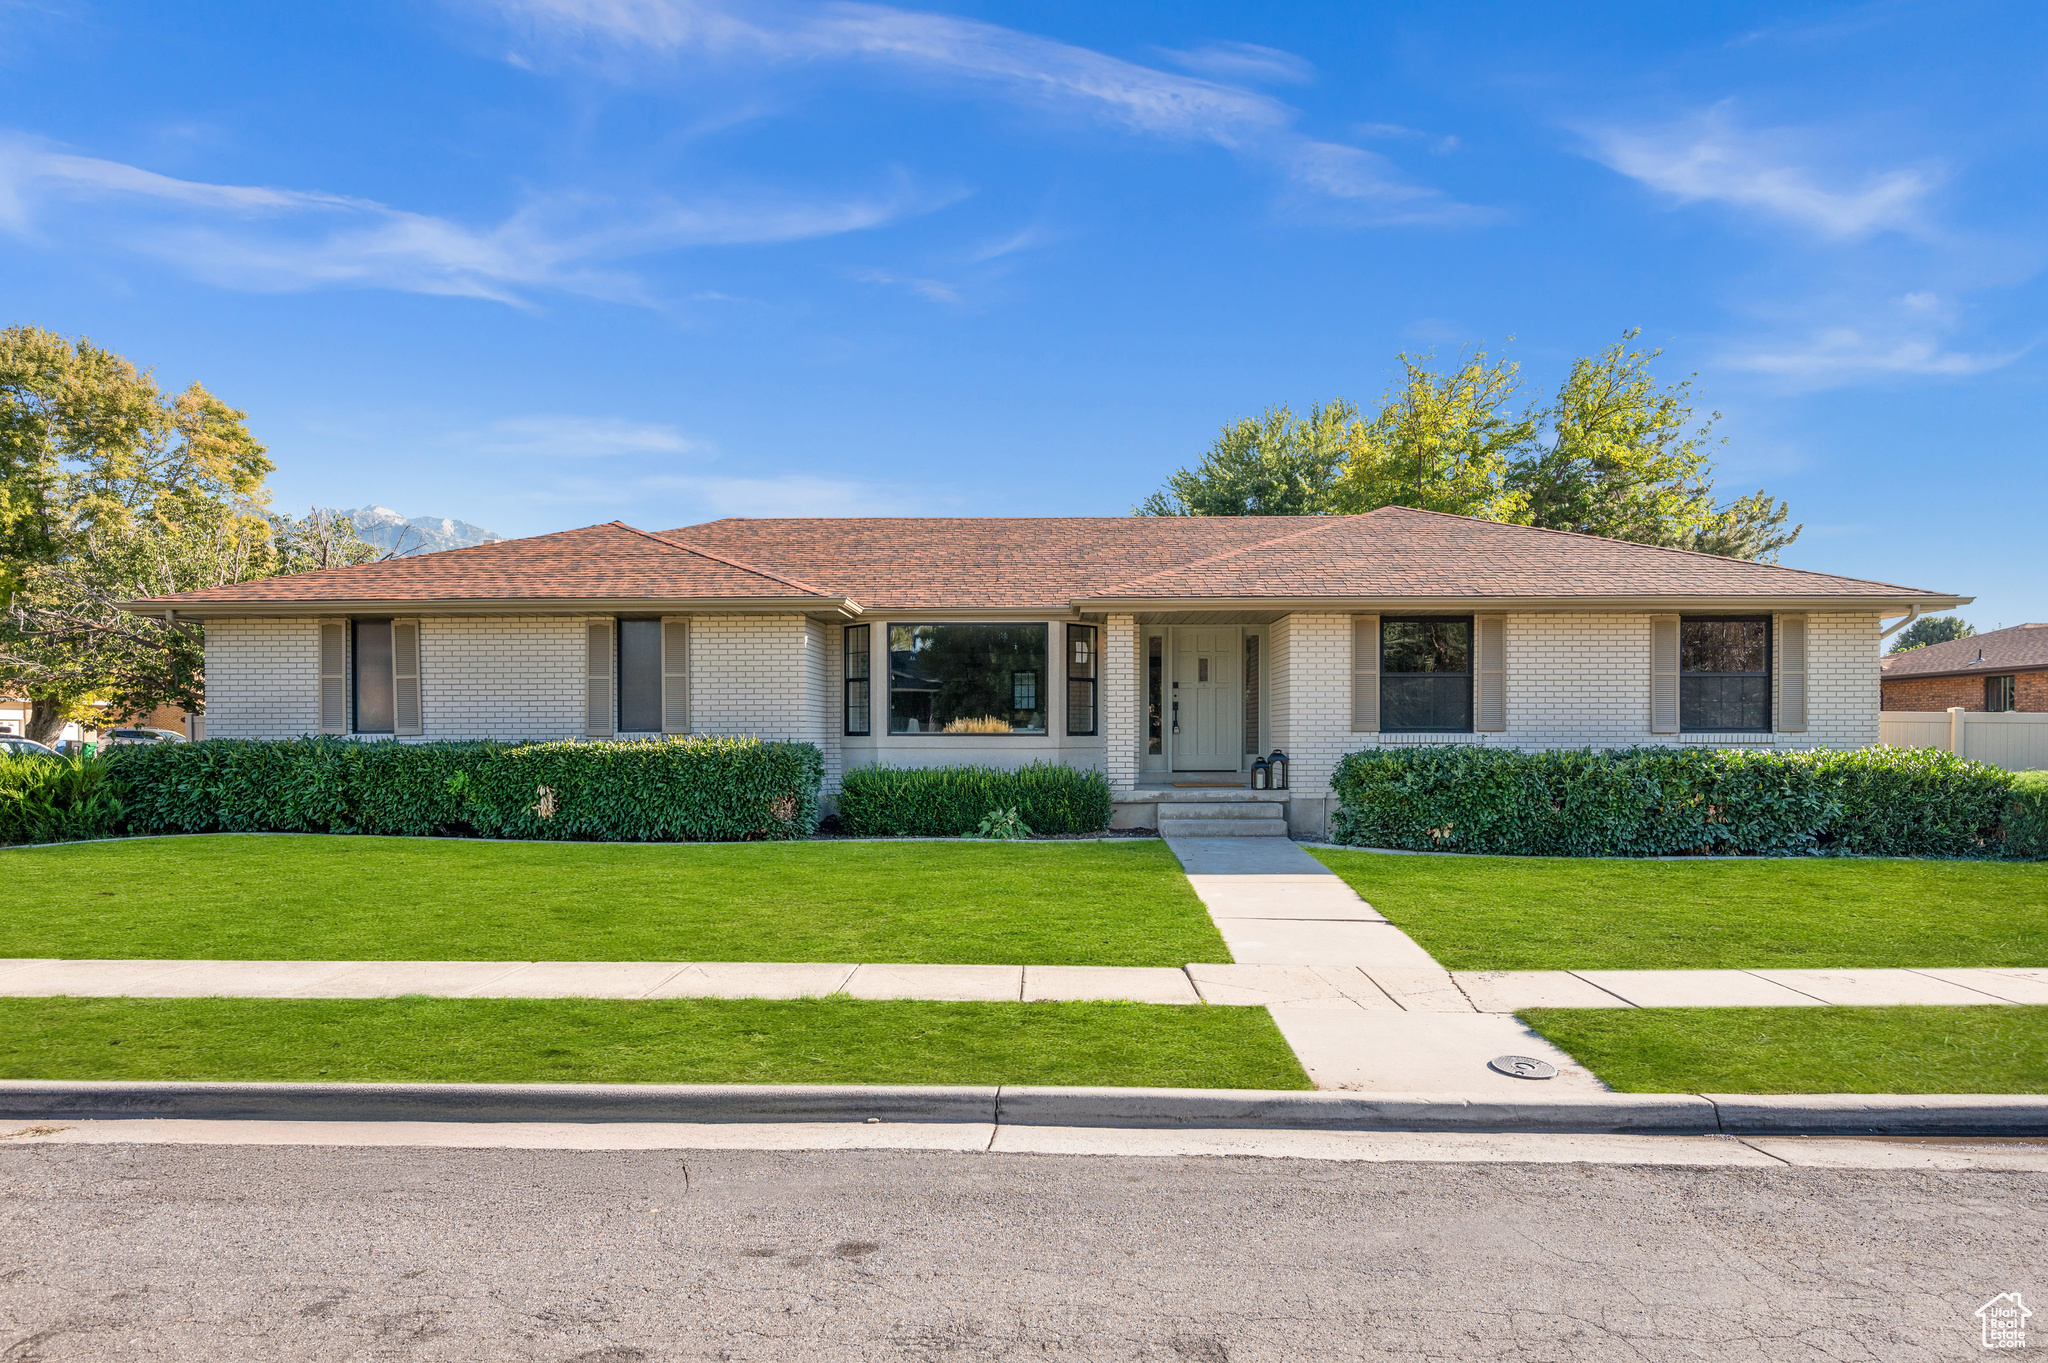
[
  {"x": 1441, "y": 442},
  {"x": 1274, "y": 464},
  {"x": 1614, "y": 454},
  {"x": 111, "y": 489},
  {"x": 1932, "y": 629}
]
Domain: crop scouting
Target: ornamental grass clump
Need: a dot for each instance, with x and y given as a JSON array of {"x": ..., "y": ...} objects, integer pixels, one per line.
[
  {"x": 1679, "y": 801},
  {"x": 56, "y": 799}
]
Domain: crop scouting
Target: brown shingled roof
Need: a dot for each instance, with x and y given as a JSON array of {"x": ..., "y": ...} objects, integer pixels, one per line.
[
  {"x": 1049, "y": 563},
  {"x": 2021, "y": 648},
  {"x": 598, "y": 562}
]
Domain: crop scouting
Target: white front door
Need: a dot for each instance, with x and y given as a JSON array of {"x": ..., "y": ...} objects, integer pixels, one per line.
[{"x": 1206, "y": 703}]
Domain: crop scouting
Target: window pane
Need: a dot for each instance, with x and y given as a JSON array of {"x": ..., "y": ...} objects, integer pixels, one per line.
[
  {"x": 1080, "y": 706},
  {"x": 373, "y": 677},
  {"x": 1723, "y": 646},
  {"x": 967, "y": 679},
  {"x": 639, "y": 676},
  {"x": 857, "y": 652},
  {"x": 1426, "y": 646},
  {"x": 1411, "y": 701},
  {"x": 1080, "y": 650},
  {"x": 858, "y": 662},
  {"x": 1707, "y": 703},
  {"x": 1154, "y": 675}
]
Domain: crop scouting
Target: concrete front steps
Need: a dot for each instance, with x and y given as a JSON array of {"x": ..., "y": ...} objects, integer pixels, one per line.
[{"x": 1221, "y": 814}]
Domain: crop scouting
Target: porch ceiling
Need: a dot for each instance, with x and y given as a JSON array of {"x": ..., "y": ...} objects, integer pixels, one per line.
[{"x": 1209, "y": 617}]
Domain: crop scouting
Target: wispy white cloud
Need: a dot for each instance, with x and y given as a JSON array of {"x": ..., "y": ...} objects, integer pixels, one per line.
[
  {"x": 1841, "y": 355},
  {"x": 1247, "y": 62},
  {"x": 265, "y": 239},
  {"x": 1016, "y": 66},
  {"x": 934, "y": 290},
  {"x": 575, "y": 437},
  {"x": 1711, "y": 158},
  {"x": 1442, "y": 144}
]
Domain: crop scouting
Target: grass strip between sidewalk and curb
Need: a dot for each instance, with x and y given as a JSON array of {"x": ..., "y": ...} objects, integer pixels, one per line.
[
  {"x": 1990, "y": 1049},
  {"x": 332, "y": 897},
  {"x": 1831, "y": 913},
  {"x": 666, "y": 1041}
]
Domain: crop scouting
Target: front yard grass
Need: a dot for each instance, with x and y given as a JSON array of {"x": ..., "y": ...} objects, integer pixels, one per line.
[
  {"x": 1553, "y": 913},
  {"x": 1989, "y": 1049},
  {"x": 737, "y": 1041},
  {"x": 326, "y": 897}
]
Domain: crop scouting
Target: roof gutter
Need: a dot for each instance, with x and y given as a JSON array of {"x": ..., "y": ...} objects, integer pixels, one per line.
[
  {"x": 161, "y": 608},
  {"x": 1367, "y": 605},
  {"x": 1911, "y": 616}
]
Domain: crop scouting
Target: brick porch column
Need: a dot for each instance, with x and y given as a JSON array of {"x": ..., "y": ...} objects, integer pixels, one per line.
[{"x": 1120, "y": 703}]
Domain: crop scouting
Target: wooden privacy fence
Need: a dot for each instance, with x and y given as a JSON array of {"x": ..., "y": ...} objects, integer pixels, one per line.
[{"x": 2013, "y": 740}]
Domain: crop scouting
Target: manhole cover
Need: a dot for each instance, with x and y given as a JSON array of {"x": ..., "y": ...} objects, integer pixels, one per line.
[{"x": 1522, "y": 1067}]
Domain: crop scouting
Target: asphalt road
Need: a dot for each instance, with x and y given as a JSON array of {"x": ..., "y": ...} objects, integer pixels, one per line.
[{"x": 220, "y": 1254}]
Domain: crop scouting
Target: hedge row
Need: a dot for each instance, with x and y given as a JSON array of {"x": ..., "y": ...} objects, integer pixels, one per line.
[
  {"x": 693, "y": 789},
  {"x": 1666, "y": 801},
  {"x": 941, "y": 802}
]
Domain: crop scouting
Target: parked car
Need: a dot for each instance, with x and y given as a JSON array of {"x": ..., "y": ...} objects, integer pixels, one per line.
[
  {"x": 116, "y": 737},
  {"x": 24, "y": 747}
]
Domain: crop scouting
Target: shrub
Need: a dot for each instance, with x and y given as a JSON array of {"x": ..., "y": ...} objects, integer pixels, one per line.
[
  {"x": 693, "y": 789},
  {"x": 1666, "y": 801},
  {"x": 56, "y": 799},
  {"x": 944, "y": 802},
  {"x": 2026, "y": 817}
]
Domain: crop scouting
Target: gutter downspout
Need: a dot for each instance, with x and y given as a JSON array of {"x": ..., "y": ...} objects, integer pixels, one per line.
[{"x": 1911, "y": 616}]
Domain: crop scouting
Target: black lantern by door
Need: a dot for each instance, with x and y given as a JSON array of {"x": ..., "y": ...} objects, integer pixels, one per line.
[
  {"x": 1277, "y": 765},
  {"x": 1262, "y": 775}
]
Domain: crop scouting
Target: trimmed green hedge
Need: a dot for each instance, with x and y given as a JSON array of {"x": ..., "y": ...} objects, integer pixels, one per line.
[
  {"x": 649, "y": 790},
  {"x": 56, "y": 799},
  {"x": 2026, "y": 818},
  {"x": 944, "y": 802},
  {"x": 1666, "y": 801}
]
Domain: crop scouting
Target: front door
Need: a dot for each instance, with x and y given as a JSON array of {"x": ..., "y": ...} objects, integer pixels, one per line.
[{"x": 1208, "y": 707}]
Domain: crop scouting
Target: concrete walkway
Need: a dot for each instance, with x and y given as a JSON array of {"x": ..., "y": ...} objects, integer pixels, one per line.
[
  {"x": 1361, "y": 1003},
  {"x": 589, "y": 980}
]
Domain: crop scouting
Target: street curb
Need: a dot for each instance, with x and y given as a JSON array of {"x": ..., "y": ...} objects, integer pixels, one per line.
[
  {"x": 1859, "y": 1114},
  {"x": 1239, "y": 1109},
  {"x": 45, "y": 1098}
]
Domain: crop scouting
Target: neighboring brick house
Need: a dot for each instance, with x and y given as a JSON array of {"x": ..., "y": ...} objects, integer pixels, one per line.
[
  {"x": 1161, "y": 651},
  {"x": 2006, "y": 669}
]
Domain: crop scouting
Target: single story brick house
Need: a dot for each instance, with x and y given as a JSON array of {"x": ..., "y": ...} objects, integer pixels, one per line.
[
  {"x": 1163, "y": 651},
  {"x": 2004, "y": 670}
]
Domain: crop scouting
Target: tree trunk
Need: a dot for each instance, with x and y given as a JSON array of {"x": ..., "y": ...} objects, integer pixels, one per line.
[{"x": 45, "y": 720}]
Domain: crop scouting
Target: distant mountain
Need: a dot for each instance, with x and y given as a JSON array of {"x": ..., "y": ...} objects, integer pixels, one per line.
[{"x": 388, "y": 530}]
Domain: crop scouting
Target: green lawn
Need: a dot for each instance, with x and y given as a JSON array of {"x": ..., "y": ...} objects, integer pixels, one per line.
[
  {"x": 1550, "y": 913},
  {"x": 1806, "y": 1050},
  {"x": 744, "y": 1041},
  {"x": 322, "y": 897}
]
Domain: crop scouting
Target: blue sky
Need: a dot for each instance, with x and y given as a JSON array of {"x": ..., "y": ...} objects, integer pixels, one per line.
[{"x": 541, "y": 263}]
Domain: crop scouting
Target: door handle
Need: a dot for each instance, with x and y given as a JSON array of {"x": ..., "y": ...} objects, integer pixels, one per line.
[{"x": 1176, "y": 716}]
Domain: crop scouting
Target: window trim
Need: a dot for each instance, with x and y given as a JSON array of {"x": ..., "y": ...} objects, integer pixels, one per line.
[
  {"x": 1768, "y": 674},
  {"x": 866, "y": 682},
  {"x": 1469, "y": 674},
  {"x": 1091, "y": 679},
  {"x": 1045, "y": 730}
]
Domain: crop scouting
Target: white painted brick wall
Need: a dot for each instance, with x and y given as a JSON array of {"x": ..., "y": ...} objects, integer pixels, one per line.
[
  {"x": 757, "y": 675},
  {"x": 262, "y": 678},
  {"x": 1120, "y": 706},
  {"x": 508, "y": 677},
  {"x": 1311, "y": 712}
]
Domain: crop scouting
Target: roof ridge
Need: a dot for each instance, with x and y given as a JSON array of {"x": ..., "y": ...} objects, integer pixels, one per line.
[
  {"x": 1320, "y": 523},
  {"x": 667, "y": 543},
  {"x": 1661, "y": 548}
]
